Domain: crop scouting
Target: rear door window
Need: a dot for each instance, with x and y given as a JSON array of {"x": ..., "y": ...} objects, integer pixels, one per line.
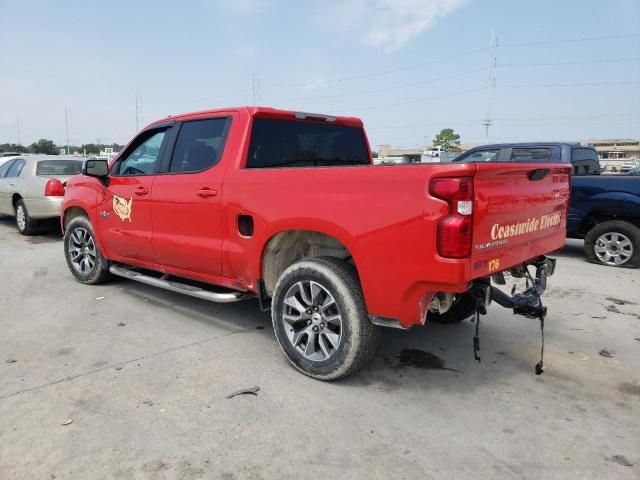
[
  {"x": 531, "y": 155},
  {"x": 284, "y": 143},
  {"x": 16, "y": 169},
  {"x": 199, "y": 145},
  {"x": 5, "y": 168}
]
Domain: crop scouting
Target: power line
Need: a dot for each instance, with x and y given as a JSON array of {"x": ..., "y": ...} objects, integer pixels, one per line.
[
  {"x": 510, "y": 119},
  {"x": 580, "y": 62},
  {"x": 394, "y": 87},
  {"x": 418, "y": 100},
  {"x": 593, "y": 84},
  {"x": 383, "y": 72},
  {"x": 569, "y": 40}
]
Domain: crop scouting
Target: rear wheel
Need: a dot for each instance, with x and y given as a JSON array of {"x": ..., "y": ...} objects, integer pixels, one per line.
[
  {"x": 25, "y": 224},
  {"x": 83, "y": 256},
  {"x": 320, "y": 320},
  {"x": 463, "y": 307},
  {"x": 614, "y": 243}
]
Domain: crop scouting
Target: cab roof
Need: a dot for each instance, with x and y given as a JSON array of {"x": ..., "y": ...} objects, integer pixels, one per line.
[{"x": 268, "y": 112}]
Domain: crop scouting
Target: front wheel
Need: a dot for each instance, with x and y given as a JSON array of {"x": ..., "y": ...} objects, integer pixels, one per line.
[
  {"x": 614, "y": 243},
  {"x": 83, "y": 256},
  {"x": 320, "y": 319}
]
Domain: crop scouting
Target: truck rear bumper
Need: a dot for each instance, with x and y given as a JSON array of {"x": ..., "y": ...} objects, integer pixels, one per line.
[{"x": 420, "y": 297}]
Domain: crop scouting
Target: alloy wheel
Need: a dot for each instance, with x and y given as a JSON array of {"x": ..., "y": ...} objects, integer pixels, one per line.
[
  {"x": 21, "y": 217},
  {"x": 82, "y": 251},
  {"x": 312, "y": 320},
  {"x": 613, "y": 248}
]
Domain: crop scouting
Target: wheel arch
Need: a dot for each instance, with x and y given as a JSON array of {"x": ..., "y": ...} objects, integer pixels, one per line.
[
  {"x": 71, "y": 213},
  {"x": 285, "y": 247},
  {"x": 15, "y": 198}
]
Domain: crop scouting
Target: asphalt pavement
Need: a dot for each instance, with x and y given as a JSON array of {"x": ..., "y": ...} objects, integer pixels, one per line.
[{"x": 126, "y": 381}]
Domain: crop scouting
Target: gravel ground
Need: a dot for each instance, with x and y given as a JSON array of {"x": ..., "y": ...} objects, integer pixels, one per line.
[{"x": 142, "y": 375}]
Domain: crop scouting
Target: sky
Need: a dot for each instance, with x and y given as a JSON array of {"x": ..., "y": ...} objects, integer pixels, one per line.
[{"x": 564, "y": 69}]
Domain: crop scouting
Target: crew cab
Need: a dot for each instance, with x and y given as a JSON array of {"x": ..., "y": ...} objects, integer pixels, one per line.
[
  {"x": 287, "y": 207},
  {"x": 604, "y": 209}
]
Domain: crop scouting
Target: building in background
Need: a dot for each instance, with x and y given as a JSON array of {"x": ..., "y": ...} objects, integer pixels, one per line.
[
  {"x": 616, "y": 154},
  {"x": 421, "y": 154}
]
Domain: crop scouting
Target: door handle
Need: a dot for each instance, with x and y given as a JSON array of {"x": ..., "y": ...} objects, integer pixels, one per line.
[
  {"x": 141, "y": 191},
  {"x": 206, "y": 192}
]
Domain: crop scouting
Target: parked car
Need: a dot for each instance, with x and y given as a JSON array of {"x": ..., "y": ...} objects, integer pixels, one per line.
[
  {"x": 583, "y": 159},
  {"x": 31, "y": 188},
  {"x": 634, "y": 171},
  {"x": 286, "y": 206},
  {"x": 605, "y": 212},
  {"x": 604, "y": 209}
]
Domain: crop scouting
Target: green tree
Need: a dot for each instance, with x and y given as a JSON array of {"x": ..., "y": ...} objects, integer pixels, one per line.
[
  {"x": 12, "y": 147},
  {"x": 447, "y": 139},
  {"x": 91, "y": 148},
  {"x": 44, "y": 146}
]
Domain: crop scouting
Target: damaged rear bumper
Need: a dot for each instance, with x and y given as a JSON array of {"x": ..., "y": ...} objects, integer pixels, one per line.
[{"x": 526, "y": 303}]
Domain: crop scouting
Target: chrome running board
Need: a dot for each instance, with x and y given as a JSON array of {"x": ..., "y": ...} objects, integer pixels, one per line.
[{"x": 175, "y": 286}]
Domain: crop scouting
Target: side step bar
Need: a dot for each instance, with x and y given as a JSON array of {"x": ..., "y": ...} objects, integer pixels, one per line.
[{"x": 191, "y": 290}]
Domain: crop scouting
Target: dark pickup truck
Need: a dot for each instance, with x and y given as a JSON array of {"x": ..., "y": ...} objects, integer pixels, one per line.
[{"x": 604, "y": 209}]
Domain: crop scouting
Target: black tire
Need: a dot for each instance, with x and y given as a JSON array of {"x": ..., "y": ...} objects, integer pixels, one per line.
[
  {"x": 99, "y": 270},
  {"x": 463, "y": 307},
  {"x": 24, "y": 223},
  {"x": 358, "y": 336},
  {"x": 619, "y": 227}
]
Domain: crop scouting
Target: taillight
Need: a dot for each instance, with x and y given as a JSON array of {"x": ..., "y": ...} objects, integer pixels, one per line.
[
  {"x": 455, "y": 230},
  {"x": 54, "y": 188}
]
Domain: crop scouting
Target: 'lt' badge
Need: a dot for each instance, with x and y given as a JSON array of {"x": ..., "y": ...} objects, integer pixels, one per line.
[{"x": 122, "y": 207}]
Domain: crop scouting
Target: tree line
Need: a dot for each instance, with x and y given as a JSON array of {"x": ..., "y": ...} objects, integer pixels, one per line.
[{"x": 48, "y": 147}]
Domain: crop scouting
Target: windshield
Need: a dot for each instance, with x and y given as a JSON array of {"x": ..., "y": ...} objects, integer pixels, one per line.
[{"x": 59, "y": 167}]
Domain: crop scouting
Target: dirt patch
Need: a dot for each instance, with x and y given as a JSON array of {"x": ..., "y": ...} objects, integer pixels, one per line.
[{"x": 629, "y": 388}]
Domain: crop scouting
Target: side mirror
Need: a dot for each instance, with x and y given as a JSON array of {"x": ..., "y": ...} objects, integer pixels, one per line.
[{"x": 96, "y": 168}]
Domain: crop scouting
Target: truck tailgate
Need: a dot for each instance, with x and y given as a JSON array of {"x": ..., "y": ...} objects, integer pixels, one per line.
[{"x": 520, "y": 213}]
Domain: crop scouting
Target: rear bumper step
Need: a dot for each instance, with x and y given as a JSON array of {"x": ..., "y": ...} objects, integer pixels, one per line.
[{"x": 176, "y": 286}]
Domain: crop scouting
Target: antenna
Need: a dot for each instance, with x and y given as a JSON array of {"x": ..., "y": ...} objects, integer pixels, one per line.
[
  {"x": 493, "y": 43},
  {"x": 255, "y": 86}
]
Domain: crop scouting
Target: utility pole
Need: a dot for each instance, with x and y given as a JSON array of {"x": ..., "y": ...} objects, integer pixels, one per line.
[
  {"x": 18, "y": 127},
  {"x": 255, "y": 86},
  {"x": 66, "y": 123},
  {"x": 493, "y": 43}
]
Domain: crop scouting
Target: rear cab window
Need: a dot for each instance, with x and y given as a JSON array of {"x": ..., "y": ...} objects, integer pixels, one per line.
[
  {"x": 585, "y": 161},
  {"x": 290, "y": 143},
  {"x": 531, "y": 155},
  {"x": 46, "y": 168},
  {"x": 479, "y": 156}
]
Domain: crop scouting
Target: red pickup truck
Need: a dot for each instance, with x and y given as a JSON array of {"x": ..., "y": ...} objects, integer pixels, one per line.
[{"x": 285, "y": 206}]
